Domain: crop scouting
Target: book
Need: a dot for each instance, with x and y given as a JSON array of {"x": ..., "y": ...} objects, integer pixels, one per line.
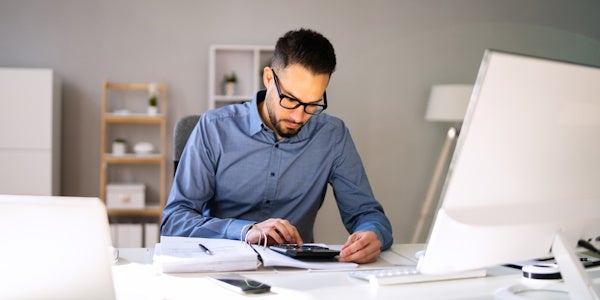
[{"x": 187, "y": 254}]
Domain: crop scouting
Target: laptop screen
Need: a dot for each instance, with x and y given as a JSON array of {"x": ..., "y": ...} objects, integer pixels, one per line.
[{"x": 54, "y": 248}]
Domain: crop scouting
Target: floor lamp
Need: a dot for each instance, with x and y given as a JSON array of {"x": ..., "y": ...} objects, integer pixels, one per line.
[{"x": 447, "y": 103}]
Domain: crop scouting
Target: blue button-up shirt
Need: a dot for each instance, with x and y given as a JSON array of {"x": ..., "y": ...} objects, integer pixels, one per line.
[{"x": 233, "y": 172}]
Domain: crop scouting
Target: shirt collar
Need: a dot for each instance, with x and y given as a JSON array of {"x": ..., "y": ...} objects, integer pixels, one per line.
[{"x": 255, "y": 119}]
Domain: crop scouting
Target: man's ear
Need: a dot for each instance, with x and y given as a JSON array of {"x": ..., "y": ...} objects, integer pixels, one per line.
[{"x": 267, "y": 76}]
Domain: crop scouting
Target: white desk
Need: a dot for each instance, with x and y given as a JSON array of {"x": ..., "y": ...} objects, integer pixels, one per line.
[{"x": 136, "y": 278}]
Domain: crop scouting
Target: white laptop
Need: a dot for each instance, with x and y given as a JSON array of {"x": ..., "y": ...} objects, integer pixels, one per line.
[{"x": 54, "y": 248}]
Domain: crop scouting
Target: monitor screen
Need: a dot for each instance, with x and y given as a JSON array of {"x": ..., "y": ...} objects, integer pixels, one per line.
[{"x": 526, "y": 168}]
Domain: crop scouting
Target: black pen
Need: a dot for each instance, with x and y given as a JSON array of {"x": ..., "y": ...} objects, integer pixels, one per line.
[{"x": 206, "y": 250}]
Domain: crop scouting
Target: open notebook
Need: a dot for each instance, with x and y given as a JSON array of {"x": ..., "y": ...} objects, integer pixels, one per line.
[
  {"x": 54, "y": 248},
  {"x": 183, "y": 254}
]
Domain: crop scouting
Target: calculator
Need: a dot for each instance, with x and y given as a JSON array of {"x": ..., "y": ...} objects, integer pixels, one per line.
[{"x": 305, "y": 251}]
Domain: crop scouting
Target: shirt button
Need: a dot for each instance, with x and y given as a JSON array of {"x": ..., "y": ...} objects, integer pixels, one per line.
[
  {"x": 272, "y": 174},
  {"x": 276, "y": 145},
  {"x": 268, "y": 201}
]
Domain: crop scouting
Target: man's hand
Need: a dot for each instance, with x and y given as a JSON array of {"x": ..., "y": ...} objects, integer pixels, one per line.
[
  {"x": 361, "y": 247},
  {"x": 277, "y": 231}
]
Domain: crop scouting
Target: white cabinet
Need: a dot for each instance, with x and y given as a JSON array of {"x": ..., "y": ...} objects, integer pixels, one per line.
[
  {"x": 246, "y": 62},
  {"x": 30, "y": 131}
]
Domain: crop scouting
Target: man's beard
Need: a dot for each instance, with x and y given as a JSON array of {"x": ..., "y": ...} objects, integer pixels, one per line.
[
  {"x": 285, "y": 132},
  {"x": 278, "y": 125}
]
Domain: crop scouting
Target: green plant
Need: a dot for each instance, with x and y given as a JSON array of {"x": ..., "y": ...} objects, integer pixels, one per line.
[
  {"x": 119, "y": 140},
  {"x": 153, "y": 100},
  {"x": 230, "y": 77}
]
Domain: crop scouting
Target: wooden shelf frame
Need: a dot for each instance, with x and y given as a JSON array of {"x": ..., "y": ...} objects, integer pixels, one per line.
[
  {"x": 107, "y": 159},
  {"x": 147, "y": 212}
]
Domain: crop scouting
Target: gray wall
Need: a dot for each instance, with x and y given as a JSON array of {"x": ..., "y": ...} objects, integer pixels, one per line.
[{"x": 389, "y": 54}]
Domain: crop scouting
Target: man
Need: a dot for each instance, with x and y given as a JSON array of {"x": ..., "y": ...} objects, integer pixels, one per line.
[{"x": 260, "y": 169}]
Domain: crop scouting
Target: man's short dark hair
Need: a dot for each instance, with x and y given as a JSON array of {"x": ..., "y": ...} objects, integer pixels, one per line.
[{"x": 307, "y": 48}]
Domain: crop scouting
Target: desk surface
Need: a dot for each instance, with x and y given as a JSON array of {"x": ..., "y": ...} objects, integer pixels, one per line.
[{"x": 136, "y": 278}]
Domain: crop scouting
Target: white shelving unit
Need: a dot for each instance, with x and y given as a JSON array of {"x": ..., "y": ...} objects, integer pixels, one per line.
[{"x": 246, "y": 61}]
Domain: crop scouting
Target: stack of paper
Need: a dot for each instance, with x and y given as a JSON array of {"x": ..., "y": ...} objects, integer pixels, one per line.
[{"x": 184, "y": 254}]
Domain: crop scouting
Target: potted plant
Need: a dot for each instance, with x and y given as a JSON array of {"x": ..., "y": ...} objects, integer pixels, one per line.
[
  {"x": 229, "y": 83},
  {"x": 153, "y": 99},
  {"x": 153, "y": 105},
  {"x": 119, "y": 146}
]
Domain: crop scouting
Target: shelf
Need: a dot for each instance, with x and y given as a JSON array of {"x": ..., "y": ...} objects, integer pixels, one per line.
[
  {"x": 233, "y": 98},
  {"x": 126, "y": 86},
  {"x": 146, "y": 212},
  {"x": 133, "y": 118},
  {"x": 133, "y": 158},
  {"x": 246, "y": 61}
]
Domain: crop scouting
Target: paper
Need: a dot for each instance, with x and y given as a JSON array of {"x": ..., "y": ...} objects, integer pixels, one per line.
[
  {"x": 271, "y": 258},
  {"x": 396, "y": 259},
  {"x": 183, "y": 254}
]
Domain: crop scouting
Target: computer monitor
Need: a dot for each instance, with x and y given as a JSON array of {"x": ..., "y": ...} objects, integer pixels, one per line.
[{"x": 524, "y": 180}]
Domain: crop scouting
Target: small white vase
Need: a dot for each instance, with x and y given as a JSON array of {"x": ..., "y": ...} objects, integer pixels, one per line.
[
  {"x": 152, "y": 110},
  {"x": 118, "y": 148},
  {"x": 229, "y": 88}
]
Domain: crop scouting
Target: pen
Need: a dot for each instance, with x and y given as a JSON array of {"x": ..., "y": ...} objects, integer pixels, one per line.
[{"x": 206, "y": 250}]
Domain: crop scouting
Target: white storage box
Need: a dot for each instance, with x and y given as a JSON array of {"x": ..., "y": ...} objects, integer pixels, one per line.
[{"x": 125, "y": 196}]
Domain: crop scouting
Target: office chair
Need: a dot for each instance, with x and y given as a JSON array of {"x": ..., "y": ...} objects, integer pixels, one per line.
[{"x": 181, "y": 133}]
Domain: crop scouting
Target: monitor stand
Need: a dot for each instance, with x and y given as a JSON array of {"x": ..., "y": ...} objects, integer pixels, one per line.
[{"x": 578, "y": 282}]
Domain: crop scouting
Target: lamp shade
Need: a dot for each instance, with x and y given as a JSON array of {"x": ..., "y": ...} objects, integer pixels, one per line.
[{"x": 448, "y": 102}]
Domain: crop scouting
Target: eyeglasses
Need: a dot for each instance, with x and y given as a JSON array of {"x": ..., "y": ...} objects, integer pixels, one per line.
[{"x": 289, "y": 102}]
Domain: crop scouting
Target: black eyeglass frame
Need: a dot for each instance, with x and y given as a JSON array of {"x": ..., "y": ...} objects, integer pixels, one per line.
[{"x": 319, "y": 107}]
